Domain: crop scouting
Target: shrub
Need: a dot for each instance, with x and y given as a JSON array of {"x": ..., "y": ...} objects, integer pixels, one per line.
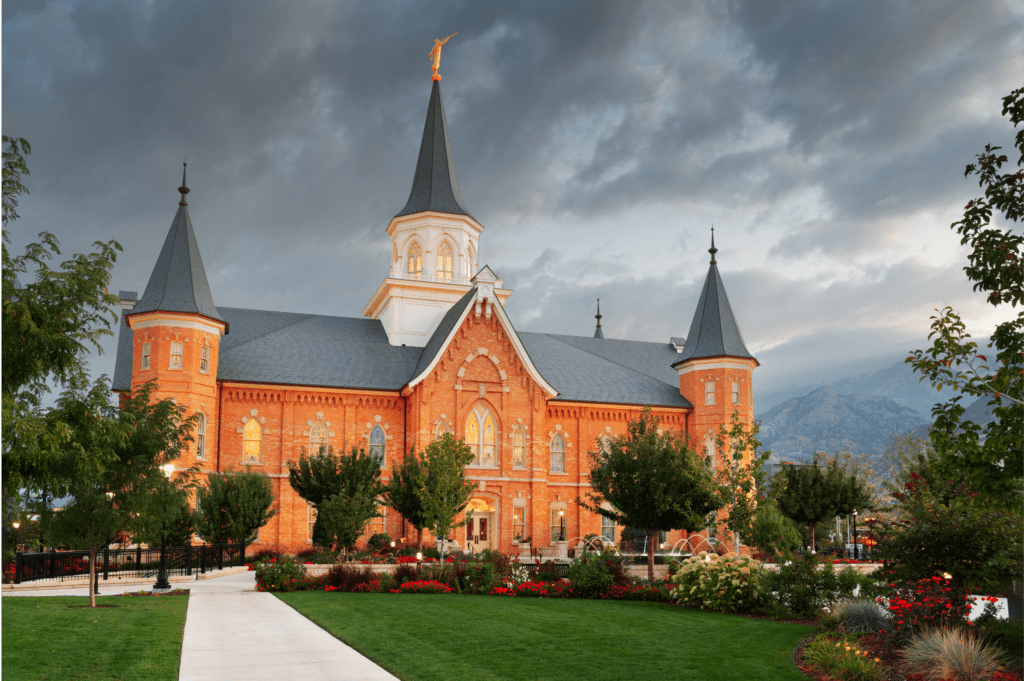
[
  {"x": 727, "y": 583},
  {"x": 805, "y": 585},
  {"x": 346, "y": 577},
  {"x": 282, "y": 574},
  {"x": 638, "y": 593},
  {"x": 547, "y": 572},
  {"x": 423, "y": 587},
  {"x": 951, "y": 653},
  {"x": 1005, "y": 634},
  {"x": 842, "y": 659},
  {"x": 591, "y": 574},
  {"x": 926, "y": 603},
  {"x": 379, "y": 542},
  {"x": 406, "y": 572},
  {"x": 265, "y": 551},
  {"x": 864, "y": 615}
]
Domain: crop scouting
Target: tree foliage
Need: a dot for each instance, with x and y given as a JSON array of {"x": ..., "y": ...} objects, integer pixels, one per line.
[
  {"x": 445, "y": 490},
  {"x": 772, "y": 531},
  {"x": 232, "y": 506},
  {"x": 653, "y": 480},
  {"x": 991, "y": 458},
  {"x": 738, "y": 477},
  {"x": 405, "y": 491},
  {"x": 811, "y": 495}
]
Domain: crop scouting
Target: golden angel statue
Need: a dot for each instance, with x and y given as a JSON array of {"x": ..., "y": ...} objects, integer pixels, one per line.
[{"x": 435, "y": 55}]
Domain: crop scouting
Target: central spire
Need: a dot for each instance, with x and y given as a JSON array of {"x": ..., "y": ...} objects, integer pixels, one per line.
[{"x": 435, "y": 186}]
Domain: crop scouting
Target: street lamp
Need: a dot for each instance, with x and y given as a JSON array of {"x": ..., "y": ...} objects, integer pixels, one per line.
[
  {"x": 856, "y": 554},
  {"x": 161, "y": 580},
  {"x": 561, "y": 526}
]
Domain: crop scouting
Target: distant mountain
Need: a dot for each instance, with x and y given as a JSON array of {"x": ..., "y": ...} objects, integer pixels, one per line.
[{"x": 825, "y": 420}]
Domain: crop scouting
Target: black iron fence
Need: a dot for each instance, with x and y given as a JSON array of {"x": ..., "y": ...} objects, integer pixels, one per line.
[{"x": 137, "y": 562}]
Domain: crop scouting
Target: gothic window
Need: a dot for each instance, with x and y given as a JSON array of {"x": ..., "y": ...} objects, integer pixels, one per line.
[
  {"x": 709, "y": 392},
  {"x": 317, "y": 438},
  {"x": 709, "y": 449},
  {"x": 444, "y": 261},
  {"x": 252, "y": 442},
  {"x": 481, "y": 438},
  {"x": 606, "y": 444},
  {"x": 518, "y": 523},
  {"x": 377, "y": 444},
  {"x": 201, "y": 436},
  {"x": 415, "y": 260},
  {"x": 557, "y": 454},
  {"x": 735, "y": 392},
  {"x": 441, "y": 429},
  {"x": 204, "y": 359},
  {"x": 146, "y": 348},
  {"x": 469, "y": 262},
  {"x": 176, "y": 349},
  {"x": 518, "y": 448}
]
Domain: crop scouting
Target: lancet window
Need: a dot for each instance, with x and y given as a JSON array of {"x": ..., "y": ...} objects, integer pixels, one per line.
[
  {"x": 480, "y": 436},
  {"x": 415, "y": 260},
  {"x": 557, "y": 454},
  {"x": 317, "y": 438},
  {"x": 252, "y": 442},
  {"x": 518, "y": 448},
  {"x": 201, "y": 436},
  {"x": 444, "y": 261},
  {"x": 378, "y": 447}
]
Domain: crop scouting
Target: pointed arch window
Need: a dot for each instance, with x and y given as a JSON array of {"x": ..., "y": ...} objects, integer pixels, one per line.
[
  {"x": 252, "y": 442},
  {"x": 712, "y": 452},
  {"x": 557, "y": 454},
  {"x": 481, "y": 437},
  {"x": 415, "y": 260},
  {"x": 318, "y": 438},
  {"x": 518, "y": 448},
  {"x": 378, "y": 444},
  {"x": 444, "y": 261},
  {"x": 201, "y": 436}
]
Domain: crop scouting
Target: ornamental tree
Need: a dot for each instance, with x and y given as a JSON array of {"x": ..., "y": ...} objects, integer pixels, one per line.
[
  {"x": 445, "y": 489},
  {"x": 404, "y": 493},
  {"x": 811, "y": 495},
  {"x": 652, "y": 480},
  {"x": 989, "y": 458},
  {"x": 737, "y": 478},
  {"x": 233, "y": 506},
  {"x": 945, "y": 527}
]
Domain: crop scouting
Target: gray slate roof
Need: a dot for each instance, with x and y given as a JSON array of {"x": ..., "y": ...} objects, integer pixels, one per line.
[
  {"x": 713, "y": 331},
  {"x": 435, "y": 186},
  {"x": 289, "y": 348},
  {"x": 178, "y": 282}
]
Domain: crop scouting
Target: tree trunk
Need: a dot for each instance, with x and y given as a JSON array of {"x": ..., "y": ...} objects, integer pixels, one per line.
[
  {"x": 419, "y": 539},
  {"x": 812, "y": 537},
  {"x": 92, "y": 575},
  {"x": 652, "y": 541},
  {"x": 736, "y": 542}
]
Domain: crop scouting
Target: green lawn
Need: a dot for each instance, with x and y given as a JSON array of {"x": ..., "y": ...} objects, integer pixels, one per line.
[
  {"x": 420, "y": 637},
  {"x": 55, "y": 638}
]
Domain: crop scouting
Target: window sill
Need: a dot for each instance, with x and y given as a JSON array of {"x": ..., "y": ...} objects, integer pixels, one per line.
[{"x": 558, "y": 473}]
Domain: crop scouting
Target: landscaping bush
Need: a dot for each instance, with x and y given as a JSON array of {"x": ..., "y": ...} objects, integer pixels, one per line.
[
  {"x": 547, "y": 572},
  {"x": 282, "y": 574},
  {"x": 805, "y": 585},
  {"x": 592, "y": 573},
  {"x": 346, "y": 577},
  {"x": 406, "y": 572},
  {"x": 842, "y": 659},
  {"x": 264, "y": 551},
  {"x": 657, "y": 594},
  {"x": 727, "y": 583},
  {"x": 379, "y": 543},
  {"x": 951, "y": 653},
  {"x": 1005, "y": 634},
  {"x": 864, "y": 615},
  {"x": 933, "y": 603}
]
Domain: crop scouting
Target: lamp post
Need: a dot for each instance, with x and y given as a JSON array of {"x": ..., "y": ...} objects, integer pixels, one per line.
[
  {"x": 161, "y": 580},
  {"x": 856, "y": 555},
  {"x": 561, "y": 526}
]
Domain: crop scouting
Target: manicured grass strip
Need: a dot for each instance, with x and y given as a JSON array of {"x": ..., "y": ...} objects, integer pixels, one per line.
[
  {"x": 55, "y": 638},
  {"x": 425, "y": 637}
]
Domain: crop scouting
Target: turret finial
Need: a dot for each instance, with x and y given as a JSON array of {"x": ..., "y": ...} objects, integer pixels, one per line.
[
  {"x": 597, "y": 332},
  {"x": 183, "y": 189},
  {"x": 713, "y": 250}
]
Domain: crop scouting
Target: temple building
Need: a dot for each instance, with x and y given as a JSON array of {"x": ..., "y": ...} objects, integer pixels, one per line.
[{"x": 434, "y": 352}]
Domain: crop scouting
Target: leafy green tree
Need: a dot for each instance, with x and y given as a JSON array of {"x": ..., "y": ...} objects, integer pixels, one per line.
[
  {"x": 992, "y": 458},
  {"x": 316, "y": 478},
  {"x": 653, "y": 481},
  {"x": 947, "y": 528},
  {"x": 405, "y": 492},
  {"x": 180, "y": 519},
  {"x": 116, "y": 484},
  {"x": 738, "y": 477},
  {"x": 771, "y": 530},
  {"x": 233, "y": 506},
  {"x": 811, "y": 495},
  {"x": 51, "y": 318},
  {"x": 445, "y": 491},
  {"x": 343, "y": 518}
]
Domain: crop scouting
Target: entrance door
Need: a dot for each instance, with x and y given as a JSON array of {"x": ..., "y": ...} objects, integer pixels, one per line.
[{"x": 478, "y": 532}]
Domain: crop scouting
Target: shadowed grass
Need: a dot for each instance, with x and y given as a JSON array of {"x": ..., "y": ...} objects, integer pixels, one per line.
[
  {"x": 426, "y": 637},
  {"x": 56, "y": 638}
]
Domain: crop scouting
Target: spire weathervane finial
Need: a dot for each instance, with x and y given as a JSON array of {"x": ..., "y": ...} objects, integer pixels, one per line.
[
  {"x": 597, "y": 331},
  {"x": 183, "y": 189},
  {"x": 435, "y": 55},
  {"x": 713, "y": 250}
]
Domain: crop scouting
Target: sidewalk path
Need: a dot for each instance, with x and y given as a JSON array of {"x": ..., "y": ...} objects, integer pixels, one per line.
[{"x": 234, "y": 632}]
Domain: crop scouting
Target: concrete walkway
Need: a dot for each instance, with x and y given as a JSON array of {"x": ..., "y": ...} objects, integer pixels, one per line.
[{"x": 233, "y": 632}]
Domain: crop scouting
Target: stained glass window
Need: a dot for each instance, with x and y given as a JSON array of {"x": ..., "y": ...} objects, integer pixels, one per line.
[
  {"x": 487, "y": 457},
  {"x": 415, "y": 260},
  {"x": 317, "y": 438},
  {"x": 442, "y": 429},
  {"x": 518, "y": 449},
  {"x": 377, "y": 446},
  {"x": 557, "y": 454},
  {"x": 252, "y": 442},
  {"x": 444, "y": 261},
  {"x": 473, "y": 438},
  {"x": 201, "y": 436},
  {"x": 481, "y": 436}
]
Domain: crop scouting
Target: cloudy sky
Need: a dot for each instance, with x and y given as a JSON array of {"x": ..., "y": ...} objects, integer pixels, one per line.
[{"x": 597, "y": 142}]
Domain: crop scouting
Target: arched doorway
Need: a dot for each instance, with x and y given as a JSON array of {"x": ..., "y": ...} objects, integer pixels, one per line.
[{"x": 480, "y": 527}]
